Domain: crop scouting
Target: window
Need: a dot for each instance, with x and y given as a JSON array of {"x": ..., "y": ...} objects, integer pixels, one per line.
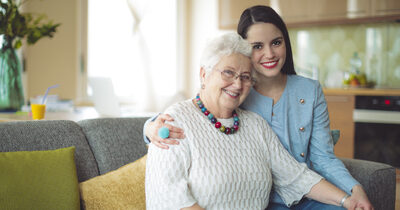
[{"x": 135, "y": 44}]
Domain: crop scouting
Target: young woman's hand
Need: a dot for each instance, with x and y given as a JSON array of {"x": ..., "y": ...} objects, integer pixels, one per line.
[
  {"x": 361, "y": 198},
  {"x": 151, "y": 131}
]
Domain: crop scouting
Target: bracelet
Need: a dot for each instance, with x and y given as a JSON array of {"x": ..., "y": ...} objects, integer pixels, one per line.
[{"x": 344, "y": 199}]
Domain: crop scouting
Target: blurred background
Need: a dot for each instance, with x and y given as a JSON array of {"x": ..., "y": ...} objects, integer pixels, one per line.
[{"x": 150, "y": 49}]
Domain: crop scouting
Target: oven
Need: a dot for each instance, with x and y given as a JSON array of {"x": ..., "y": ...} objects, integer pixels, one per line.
[{"x": 377, "y": 129}]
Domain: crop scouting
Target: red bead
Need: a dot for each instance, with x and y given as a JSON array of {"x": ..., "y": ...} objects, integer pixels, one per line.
[
  {"x": 236, "y": 127},
  {"x": 235, "y": 114},
  {"x": 217, "y": 124},
  {"x": 227, "y": 131},
  {"x": 206, "y": 113}
]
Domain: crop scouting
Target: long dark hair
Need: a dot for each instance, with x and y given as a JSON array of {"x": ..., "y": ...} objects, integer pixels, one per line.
[{"x": 265, "y": 14}]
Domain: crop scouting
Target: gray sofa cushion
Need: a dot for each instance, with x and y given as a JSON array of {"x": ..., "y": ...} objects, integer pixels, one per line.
[
  {"x": 115, "y": 141},
  {"x": 47, "y": 135},
  {"x": 378, "y": 180}
]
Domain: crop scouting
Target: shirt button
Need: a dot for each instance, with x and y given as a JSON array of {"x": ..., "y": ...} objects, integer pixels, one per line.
[
  {"x": 302, "y": 101},
  {"x": 302, "y": 154},
  {"x": 301, "y": 129}
]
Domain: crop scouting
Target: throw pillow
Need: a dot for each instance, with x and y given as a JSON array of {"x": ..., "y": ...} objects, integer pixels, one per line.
[
  {"x": 119, "y": 189},
  {"x": 39, "y": 180}
]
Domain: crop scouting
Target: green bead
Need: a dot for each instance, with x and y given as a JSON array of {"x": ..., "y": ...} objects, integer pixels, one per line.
[{"x": 222, "y": 128}]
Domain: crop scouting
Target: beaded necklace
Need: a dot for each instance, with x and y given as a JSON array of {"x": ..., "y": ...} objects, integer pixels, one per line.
[{"x": 213, "y": 120}]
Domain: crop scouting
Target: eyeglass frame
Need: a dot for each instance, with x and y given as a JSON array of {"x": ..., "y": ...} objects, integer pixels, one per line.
[{"x": 237, "y": 75}]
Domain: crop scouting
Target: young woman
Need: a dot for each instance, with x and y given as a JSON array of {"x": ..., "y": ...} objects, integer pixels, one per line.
[{"x": 292, "y": 105}]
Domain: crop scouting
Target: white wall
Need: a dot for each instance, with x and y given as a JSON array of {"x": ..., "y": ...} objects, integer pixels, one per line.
[
  {"x": 56, "y": 60},
  {"x": 203, "y": 25}
]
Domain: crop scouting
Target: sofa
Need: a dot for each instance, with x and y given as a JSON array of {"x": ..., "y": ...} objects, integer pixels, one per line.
[{"x": 104, "y": 145}]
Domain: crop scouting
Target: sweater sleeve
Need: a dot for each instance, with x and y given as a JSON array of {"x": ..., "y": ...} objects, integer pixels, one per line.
[
  {"x": 291, "y": 179},
  {"x": 167, "y": 177},
  {"x": 321, "y": 152}
]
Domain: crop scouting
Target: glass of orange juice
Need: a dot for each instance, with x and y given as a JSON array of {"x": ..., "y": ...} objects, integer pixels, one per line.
[{"x": 38, "y": 111}]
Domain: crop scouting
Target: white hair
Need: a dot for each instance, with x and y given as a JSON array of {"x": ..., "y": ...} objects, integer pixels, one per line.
[{"x": 221, "y": 46}]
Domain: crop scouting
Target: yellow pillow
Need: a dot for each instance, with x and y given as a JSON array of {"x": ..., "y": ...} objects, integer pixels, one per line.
[{"x": 119, "y": 189}]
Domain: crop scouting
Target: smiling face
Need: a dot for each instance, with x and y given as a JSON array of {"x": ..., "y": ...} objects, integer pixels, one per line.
[
  {"x": 220, "y": 96},
  {"x": 269, "y": 49}
]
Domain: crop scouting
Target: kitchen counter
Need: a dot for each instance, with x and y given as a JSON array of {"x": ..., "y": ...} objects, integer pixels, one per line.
[{"x": 362, "y": 91}]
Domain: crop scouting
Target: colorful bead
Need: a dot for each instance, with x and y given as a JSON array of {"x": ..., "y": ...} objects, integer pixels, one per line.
[
  {"x": 227, "y": 131},
  {"x": 213, "y": 120}
]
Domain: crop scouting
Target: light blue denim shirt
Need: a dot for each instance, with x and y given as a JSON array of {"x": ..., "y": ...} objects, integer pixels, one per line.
[{"x": 306, "y": 132}]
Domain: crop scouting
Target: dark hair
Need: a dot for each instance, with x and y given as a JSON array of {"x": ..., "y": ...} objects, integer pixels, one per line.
[{"x": 265, "y": 14}]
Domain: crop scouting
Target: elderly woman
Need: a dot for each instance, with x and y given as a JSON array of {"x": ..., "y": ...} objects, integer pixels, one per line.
[{"x": 230, "y": 157}]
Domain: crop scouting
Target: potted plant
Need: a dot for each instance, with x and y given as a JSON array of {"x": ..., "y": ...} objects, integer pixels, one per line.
[{"x": 14, "y": 28}]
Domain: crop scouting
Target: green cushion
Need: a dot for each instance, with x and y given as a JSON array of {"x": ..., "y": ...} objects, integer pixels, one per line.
[{"x": 39, "y": 180}]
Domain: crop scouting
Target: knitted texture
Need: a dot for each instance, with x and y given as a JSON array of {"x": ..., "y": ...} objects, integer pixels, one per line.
[{"x": 219, "y": 171}]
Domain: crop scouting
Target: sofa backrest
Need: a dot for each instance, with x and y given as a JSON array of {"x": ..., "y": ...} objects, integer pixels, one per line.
[
  {"x": 115, "y": 141},
  {"x": 48, "y": 135}
]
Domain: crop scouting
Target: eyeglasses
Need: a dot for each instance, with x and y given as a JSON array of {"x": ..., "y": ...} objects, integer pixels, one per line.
[{"x": 231, "y": 76}]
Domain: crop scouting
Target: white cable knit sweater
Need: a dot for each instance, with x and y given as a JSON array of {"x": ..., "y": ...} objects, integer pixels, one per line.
[{"x": 220, "y": 171}]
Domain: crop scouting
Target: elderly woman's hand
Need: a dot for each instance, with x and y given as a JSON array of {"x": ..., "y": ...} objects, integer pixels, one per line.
[
  {"x": 152, "y": 128},
  {"x": 353, "y": 203}
]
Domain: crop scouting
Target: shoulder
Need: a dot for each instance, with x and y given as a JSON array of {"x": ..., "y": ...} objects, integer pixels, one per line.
[
  {"x": 296, "y": 81},
  {"x": 251, "y": 117},
  {"x": 302, "y": 87},
  {"x": 180, "y": 108}
]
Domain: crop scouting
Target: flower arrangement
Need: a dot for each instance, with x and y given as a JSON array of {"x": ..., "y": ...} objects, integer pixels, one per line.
[{"x": 15, "y": 26}]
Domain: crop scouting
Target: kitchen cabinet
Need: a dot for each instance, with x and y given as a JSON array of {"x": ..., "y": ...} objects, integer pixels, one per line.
[
  {"x": 229, "y": 11},
  {"x": 340, "y": 108},
  {"x": 313, "y": 11},
  {"x": 299, "y": 13},
  {"x": 386, "y": 7}
]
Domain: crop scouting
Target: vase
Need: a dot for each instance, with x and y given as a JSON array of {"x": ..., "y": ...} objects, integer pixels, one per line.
[{"x": 11, "y": 91}]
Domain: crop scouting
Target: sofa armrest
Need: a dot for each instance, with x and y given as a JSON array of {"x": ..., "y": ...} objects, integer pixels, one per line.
[{"x": 377, "y": 179}]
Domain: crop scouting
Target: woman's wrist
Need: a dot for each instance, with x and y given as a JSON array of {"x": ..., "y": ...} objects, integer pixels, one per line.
[{"x": 343, "y": 200}]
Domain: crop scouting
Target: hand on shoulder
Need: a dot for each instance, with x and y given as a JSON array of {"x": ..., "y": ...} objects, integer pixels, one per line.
[{"x": 151, "y": 131}]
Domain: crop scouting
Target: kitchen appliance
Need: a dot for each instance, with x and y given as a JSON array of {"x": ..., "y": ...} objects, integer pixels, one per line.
[{"x": 377, "y": 129}]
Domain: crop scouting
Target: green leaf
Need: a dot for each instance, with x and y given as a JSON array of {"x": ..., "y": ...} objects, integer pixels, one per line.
[
  {"x": 18, "y": 44},
  {"x": 14, "y": 24}
]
